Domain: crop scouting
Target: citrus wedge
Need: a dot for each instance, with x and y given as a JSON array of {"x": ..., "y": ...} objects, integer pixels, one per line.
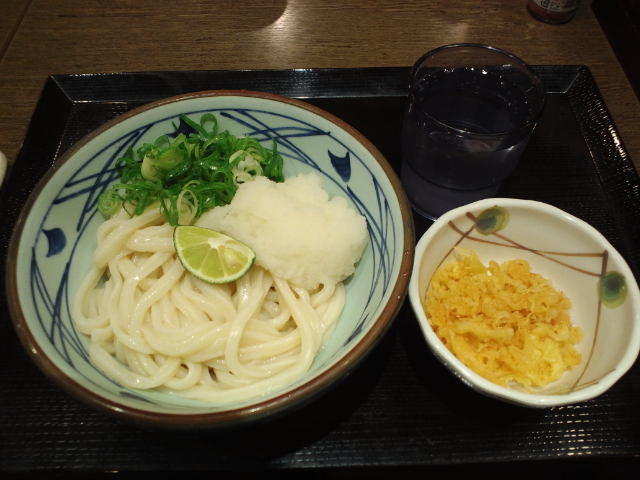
[{"x": 211, "y": 256}]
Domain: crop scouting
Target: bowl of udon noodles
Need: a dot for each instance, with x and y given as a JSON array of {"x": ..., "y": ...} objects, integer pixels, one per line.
[{"x": 106, "y": 308}]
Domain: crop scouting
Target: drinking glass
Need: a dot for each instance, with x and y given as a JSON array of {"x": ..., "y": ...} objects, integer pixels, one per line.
[{"x": 470, "y": 112}]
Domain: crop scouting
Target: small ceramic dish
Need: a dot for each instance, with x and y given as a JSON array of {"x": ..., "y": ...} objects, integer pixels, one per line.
[
  {"x": 51, "y": 250},
  {"x": 575, "y": 257}
]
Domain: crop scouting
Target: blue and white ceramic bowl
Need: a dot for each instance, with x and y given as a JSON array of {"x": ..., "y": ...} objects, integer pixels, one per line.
[
  {"x": 52, "y": 245},
  {"x": 575, "y": 257}
]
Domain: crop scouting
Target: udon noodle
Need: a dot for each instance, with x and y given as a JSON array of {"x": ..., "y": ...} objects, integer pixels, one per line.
[{"x": 154, "y": 326}]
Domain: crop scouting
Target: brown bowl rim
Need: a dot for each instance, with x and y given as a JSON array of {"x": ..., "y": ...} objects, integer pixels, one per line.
[{"x": 260, "y": 408}]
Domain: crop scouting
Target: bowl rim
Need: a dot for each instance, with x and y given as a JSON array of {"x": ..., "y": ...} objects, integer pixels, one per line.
[
  {"x": 485, "y": 386},
  {"x": 255, "y": 410}
]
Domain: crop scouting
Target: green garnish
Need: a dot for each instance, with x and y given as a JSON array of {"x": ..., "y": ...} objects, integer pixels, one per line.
[{"x": 197, "y": 170}]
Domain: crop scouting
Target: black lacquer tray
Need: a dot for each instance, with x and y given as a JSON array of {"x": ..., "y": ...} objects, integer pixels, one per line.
[{"x": 401, "y": 412}]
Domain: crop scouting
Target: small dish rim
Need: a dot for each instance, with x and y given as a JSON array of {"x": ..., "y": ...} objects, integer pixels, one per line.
[{"x": 485, "y": 386}]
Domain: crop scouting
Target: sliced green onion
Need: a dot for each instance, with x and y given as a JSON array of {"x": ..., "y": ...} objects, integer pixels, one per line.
[
  {"x": 196, "y": 171},
  {"x": 109, "y": 203}
]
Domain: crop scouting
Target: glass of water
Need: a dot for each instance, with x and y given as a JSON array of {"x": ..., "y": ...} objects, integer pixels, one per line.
[{"x": 470, "y": 112}]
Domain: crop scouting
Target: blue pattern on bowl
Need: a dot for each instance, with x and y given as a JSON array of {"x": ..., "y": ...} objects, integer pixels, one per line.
[{"x": 71, "y": 215}]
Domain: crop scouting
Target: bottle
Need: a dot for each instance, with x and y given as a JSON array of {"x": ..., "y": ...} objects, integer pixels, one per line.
[{"x": 553, "y": 11}]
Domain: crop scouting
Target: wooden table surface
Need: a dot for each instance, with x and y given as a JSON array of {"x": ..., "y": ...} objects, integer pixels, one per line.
[{"x": 43, "y": 37}]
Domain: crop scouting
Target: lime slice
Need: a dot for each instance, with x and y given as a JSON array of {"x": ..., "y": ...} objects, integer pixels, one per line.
[{"x": 211, "y": 256}]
